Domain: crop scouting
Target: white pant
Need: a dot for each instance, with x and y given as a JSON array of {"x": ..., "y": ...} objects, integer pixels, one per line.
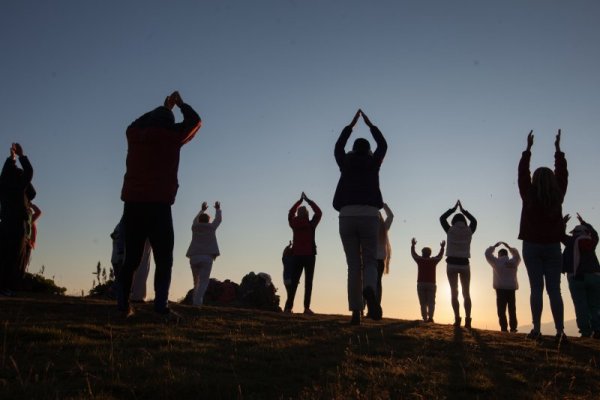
[
  {"x": 138, "y": 287},
  {"x": 201, "y": 268}
]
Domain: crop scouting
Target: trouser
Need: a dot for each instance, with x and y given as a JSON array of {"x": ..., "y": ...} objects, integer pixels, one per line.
[
  {"x": 506, "y": 298},
  {"x": 138, "y": 287},
  {"x": 299, "y": 263},
  {"x": 359, "y": 237},
  {"x": 151, "y": 221},
  {"x": 464, "y": 273},
  {"x": 201, "y": 273},
  {"x": 544, "y": 263},
  {"x": 380, "y": 268},
  {"x": 426, "y": 292},
  {"x": 13, "y": 248},
  {"x": 585, "y": 291}
]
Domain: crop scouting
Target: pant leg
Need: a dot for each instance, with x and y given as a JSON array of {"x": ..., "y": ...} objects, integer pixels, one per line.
[
  {"x": 290, "y": 280},
  {"x": 422, "y": 292},
  {"x": 196, "y": 280},
  {"x": 309, "y": 272},
  {"x": 351, "y": 244},
  {"x": 204, "y": 269},
  {"x": 13, "y": 246},
  {"x": 135, "y": 225},
  {"x": 162, "y": 239},
  {"x": 380, "y": 268},
  {"x": 453, "y": 281},
  {"x": 512, "y": 310},
  {"x": 582, "y": 311},
  {"x": 552, "y": 273},
  {"x": 465, "y": 285},
  {"x": 431, "y": 299},
  {"x": 534, "y": 266},
  {"x": 138, "y": 288},
  {"x": 501, "y": 303},
  {"x": 593, "y": 297},
  {"x": 368, "y": 228}
]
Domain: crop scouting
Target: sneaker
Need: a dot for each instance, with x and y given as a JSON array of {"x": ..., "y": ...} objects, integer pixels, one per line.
[
  {"x": 127, "y": 313},
  {"x": 534, "y": 335},
  {"x": 560, "y": 338},
  {"x": 288, "y": 311},
  {"x": 355, "y": 318},
  {"x": 513, "y": 330},
  {"x": 375, "y": 311},
  {"x": 467, "y": 323},
  {"x": 308, "y": 311},
  {"x": 503, "y": 329},
  {"x": 457, "y": 321}
]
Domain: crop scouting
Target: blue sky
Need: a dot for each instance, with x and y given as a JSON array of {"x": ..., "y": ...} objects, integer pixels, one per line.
[{"x": 454, "y": 86}]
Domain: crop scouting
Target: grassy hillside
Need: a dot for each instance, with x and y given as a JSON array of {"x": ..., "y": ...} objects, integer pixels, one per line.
[{"x": 57, "y": 347}]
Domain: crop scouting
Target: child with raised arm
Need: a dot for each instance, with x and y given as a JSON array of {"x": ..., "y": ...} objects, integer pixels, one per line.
[
  {"x": 426, "y": 283},
  {"x": 458, "y": 252},
  {"x": 203, "y": 250},
  {"x": 580, "y": 263},
  {"x": 505, "y": 283}
]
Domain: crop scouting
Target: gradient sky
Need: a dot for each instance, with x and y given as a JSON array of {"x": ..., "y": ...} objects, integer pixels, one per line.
[{"x": 454, "y": 86}]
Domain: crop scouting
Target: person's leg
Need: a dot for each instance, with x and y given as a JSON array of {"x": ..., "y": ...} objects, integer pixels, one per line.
[
  {"x": 552, "y": 273},
  {"x": 196, "y": 300},
  {"x": 453, "y": 281},
  {"x": 534, "y": 266},
  {"x": 203, "y": 280},
  {"x": 309, "y": 272},
  {"x": 290, "y": 282},
  {"x": 135, "y": 219},
  {"x": 431, "y": 300},
  {"x": 369, "y": 232},
  {"x": 501, "y": 302},
  {"x": 351, "y": 243},
  {"x": 138, "y": 288},
  {"x": 380, "y": 268},
  {"x": 162, "y": 239},
  {"x": 582, "y": 312},
  {"x": 512, "y": 310},
  {"x": 422, "y": 293},
  {"x": 465, "y": 285},
  {"x": 593, "y": 297}
]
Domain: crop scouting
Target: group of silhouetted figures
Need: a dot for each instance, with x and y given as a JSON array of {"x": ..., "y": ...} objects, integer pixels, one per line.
[{"x": 149, "y": 190}]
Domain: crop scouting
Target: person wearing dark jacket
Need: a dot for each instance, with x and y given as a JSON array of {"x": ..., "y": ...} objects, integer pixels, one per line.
[
  {"x": 304, "y": 250},
  {"x": 358, "y": 200},
  {"x": 581, "y": 265},
  {"x": 16, "y": 192},
  {"x": 541, "y": 230},
  {"x": 149, "y": 188}
]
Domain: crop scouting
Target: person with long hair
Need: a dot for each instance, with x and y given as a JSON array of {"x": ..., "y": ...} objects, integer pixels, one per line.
[
  {"x": 384, "y": 248},
  {"x": 541, "y": 230},
  {"x": 458, "y": 252},
  {"x": 358, "y": 199}
]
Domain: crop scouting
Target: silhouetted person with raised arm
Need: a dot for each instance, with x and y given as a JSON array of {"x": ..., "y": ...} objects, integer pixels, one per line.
[
  {"x": 34, "y": 214},
  {"x": 505, "y": 283},
  {"x": 16, "y": 192},
  {"x": 426, "y": 282},
  {"x": 581, "y": 265},
  {"x": 358, "y": 200},
  {"x": 149, "y": 189},
  {"x": 541, "y": 230},
  {"x": 458, "y": 252},
  {"x": 304, "y": 249},
  {"x": 203, "y": 250}
]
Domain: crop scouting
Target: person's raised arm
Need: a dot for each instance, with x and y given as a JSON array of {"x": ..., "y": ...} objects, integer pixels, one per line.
[
  {"x": 444, "y": 217},
  {"x": 515, "y": 258},
  {"x": 316, "y": 210},
  {"x": 340, "y": 145},
  {"x": 560, "y": 166},
  {"x": 413, "y": 253},
  {"x": 292, "y": 212},
  {"x": 471, "y": 218},
  {"x": 218, "y": 217},
  {"x": 389, "y": 216},
  {"x": 203, "y": 209},
  {"x": 379, "y": 153},
  {"x": 25, "y": 164},
  {"x": 36, "y": 212},
  {"x": 593, "y": 232},
  {"x": 191, "y": 120},
  {"x": 524, "y": 173},
  {"x": 489, "y": 254},
  {"x": 440, "y": 254}
]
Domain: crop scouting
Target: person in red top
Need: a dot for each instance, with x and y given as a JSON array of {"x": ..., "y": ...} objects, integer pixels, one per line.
[
  {"x": 149, "y": 187},
  {"x": 304, "y": 250},
  {"x": 426, "y": 285}
]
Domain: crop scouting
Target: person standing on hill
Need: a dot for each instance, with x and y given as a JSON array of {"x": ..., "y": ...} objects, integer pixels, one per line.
[
  {"x": 149, "y": 188},
  {"x": 358, "y": 200},
  {"x": 541, "y": 230},
  {"x": 16, "y": 192},
  {"x": 505, "y": 283},
  {"x": 581, "y": 265},
  {"x": 384, "y": 248},
  {"x": 458, "y": 252},
  {"x": 304, "y": 250},
  {"x": 426, "y": 282},
  {"x": 34, "y": 214}
]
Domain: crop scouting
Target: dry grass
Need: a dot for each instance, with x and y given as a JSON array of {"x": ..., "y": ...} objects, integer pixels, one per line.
[{"x": 69, "y": 348}]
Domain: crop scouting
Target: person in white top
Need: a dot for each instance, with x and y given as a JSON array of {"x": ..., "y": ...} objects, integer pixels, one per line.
[
  {"x": 203, "y": 250},
  {"x": 505, "y": 282}
]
